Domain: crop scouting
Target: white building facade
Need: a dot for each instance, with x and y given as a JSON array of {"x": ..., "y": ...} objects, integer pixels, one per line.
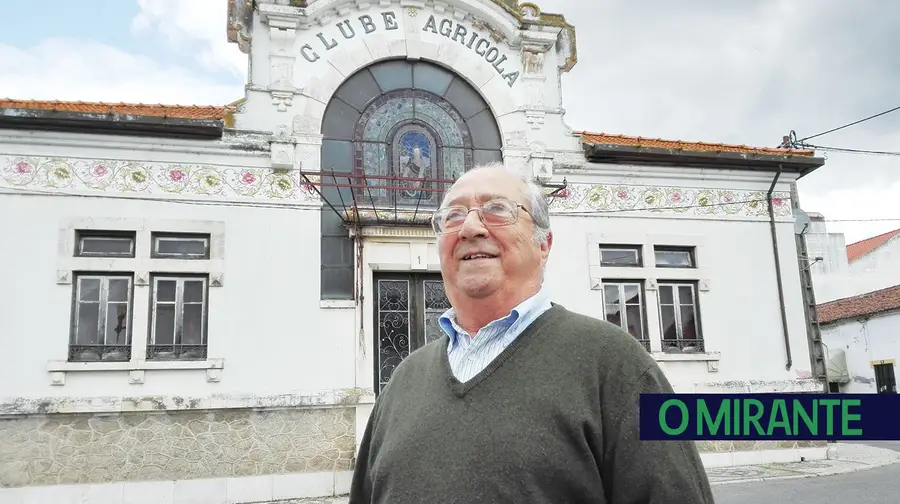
[
  {"x": 862, "y": 343},
  {"x": 857, "y": 287},
  {"x": 205, "y": 302},
  {"x": 842, "y": 270}
]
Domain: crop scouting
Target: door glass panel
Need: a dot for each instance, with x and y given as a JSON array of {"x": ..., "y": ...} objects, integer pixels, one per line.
[
  {"x": 436, "y": 303},
  {"x": 406, "y": 318},
  {"x": 393, "y": 326}
]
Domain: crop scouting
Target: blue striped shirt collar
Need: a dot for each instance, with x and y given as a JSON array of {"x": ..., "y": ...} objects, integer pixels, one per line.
[{"x": 521, "y": 314}]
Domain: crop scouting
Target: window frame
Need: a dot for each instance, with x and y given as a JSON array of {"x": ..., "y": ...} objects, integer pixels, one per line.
[
  {"x": 178, "y": 347},
  {"x": 636, "y": 249},
  {"x": 82, "y": 234},
  {"x": 621, "y": 283},
  {"x": 102, "y": 315},
  {"x": 690, "y": 251},
  {"x": 676, "y": 304},
  {"x": 156, "y": 236}
]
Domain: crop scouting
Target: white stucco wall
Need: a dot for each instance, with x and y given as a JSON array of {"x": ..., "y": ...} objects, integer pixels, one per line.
[
  {"x": 739, "y": 313},
  {"x": 831, "y": 247},
  {"x": 864, "y": 341},
  {"x": 264, "y": 321},
  {"x": 838, "y": 279}
]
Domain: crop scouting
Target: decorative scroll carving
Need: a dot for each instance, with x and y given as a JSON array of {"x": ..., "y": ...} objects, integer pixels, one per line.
[
  {"x": 535, "y": 118},
  {"x": 530, "y": 11},
  {"x": 282, "y": 149},
  {"x": 282, "y": 35},
  {"x": 240, "y": 23},
  {"x": 533, "y": 62}
]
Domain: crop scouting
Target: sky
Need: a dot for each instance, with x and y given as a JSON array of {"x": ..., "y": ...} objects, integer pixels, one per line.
[{"x": 744, "y": 72}]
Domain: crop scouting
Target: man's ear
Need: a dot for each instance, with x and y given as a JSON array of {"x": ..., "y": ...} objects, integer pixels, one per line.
[{"x": 545, "y": 247}]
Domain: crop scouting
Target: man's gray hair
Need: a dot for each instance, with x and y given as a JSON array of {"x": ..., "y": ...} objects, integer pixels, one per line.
[{"x": 538, "y": 207}]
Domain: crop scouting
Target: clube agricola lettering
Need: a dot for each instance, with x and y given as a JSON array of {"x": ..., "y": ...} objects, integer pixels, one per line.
[{"x": 457, "y": 33}]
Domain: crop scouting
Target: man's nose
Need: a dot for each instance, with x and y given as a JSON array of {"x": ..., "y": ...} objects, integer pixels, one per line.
[{"x": 473, "y": 227}]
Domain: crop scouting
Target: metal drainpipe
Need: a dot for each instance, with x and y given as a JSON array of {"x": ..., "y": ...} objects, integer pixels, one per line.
[{"x": 784, "y": 324}]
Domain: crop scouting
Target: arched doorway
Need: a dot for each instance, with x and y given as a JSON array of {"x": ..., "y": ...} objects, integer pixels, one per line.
[
  {"x": 403, "y": 119},
  {"x": 388, "y": 124}
]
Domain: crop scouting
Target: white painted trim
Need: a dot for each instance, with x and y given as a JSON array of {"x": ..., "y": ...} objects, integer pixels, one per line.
[
  {"x": 645, "y": 215},
  {"x": 139, "y": 365},
  {"x": 134, "y": 148},
  {"x": 757, "y": 457},
  {"x": 327, "y": 398},
  {"x": 590, "y": 173},
  {"x": 332, "y": 304},
  {"x": 683, "y": 357},
  {"x": 208, "y": 490},
  {"x": 235, "y": 201},
  {"x": 404, "y": 234}
]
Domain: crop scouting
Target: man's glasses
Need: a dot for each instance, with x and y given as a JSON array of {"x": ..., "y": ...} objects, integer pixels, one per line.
[{"x": 494, "y": 213}]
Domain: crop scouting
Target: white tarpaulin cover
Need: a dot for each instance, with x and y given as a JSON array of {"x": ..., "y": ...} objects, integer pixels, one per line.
[{"x": 836, "y": 367}]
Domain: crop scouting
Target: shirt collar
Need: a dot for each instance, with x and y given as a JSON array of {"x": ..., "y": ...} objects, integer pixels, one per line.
[{"x": 448, "y": 324}]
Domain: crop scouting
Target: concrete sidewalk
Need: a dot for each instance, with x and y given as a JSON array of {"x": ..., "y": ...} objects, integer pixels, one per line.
[{"x": 842, "y": 458}]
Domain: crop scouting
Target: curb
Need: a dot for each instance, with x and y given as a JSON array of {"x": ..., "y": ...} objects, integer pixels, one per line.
[{"x": 808, "y": 475}]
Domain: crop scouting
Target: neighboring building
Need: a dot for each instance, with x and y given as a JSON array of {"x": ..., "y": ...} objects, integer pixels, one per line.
[
  {"x": 208, "y": 299},
  {"x": 862, "y": 334},
  {"x": 857, "y": 289},
  {"x": 840, "y": 270}
]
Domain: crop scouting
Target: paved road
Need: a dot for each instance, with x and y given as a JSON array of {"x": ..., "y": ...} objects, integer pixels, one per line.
[
  {"x": 874, "y": 486},
  {"x": 890, "y": 445}
]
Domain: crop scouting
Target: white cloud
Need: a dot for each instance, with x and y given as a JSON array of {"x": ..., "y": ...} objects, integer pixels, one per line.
[
  {"x": 70, "y": 69},
  {"x": 856, "y": 207},
  {"x": 748, "y": 72},
  {"x": 744, "y": 72},
  {"x": 196, "y": 27}
]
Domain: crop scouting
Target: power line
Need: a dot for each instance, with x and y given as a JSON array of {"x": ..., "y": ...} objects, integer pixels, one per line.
[
  {"x": 877, "y": 219},
  {"x": 37, "y": 192},
  {"x": 307, "y": 208},
  {"x": 852, "y": 151},
  {"x": 849, "y": 124}
]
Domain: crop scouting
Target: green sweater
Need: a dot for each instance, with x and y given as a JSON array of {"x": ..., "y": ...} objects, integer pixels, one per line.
[{"x": 552, "y": 420}]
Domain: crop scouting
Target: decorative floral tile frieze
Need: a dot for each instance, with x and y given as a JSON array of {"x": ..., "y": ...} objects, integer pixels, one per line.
[
  {"x": 159, "y": 179},
  {"x": 600, "y": 199}
]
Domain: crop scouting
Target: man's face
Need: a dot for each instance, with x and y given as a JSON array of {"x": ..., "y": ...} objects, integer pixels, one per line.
[{"x": 514, "y": 260}]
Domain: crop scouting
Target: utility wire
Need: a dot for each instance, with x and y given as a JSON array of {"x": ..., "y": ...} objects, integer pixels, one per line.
[
  {"x": 852, "y": 151},
  {"x": 877, "y": 219},
  {"x": 850, "y": 124},
  {"x": 307, "y": 208}
]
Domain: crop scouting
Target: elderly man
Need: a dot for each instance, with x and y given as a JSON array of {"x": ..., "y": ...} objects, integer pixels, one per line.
[{"x": 521, "y": 401}]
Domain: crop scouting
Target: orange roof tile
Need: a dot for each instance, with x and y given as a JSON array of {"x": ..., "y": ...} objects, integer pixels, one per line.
[
  {"x": 863, "y": 247},
  {"x": 863, "y": 305},
  {"x": 631, "y": 141},
  {"x": 173, "y": 111}
]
